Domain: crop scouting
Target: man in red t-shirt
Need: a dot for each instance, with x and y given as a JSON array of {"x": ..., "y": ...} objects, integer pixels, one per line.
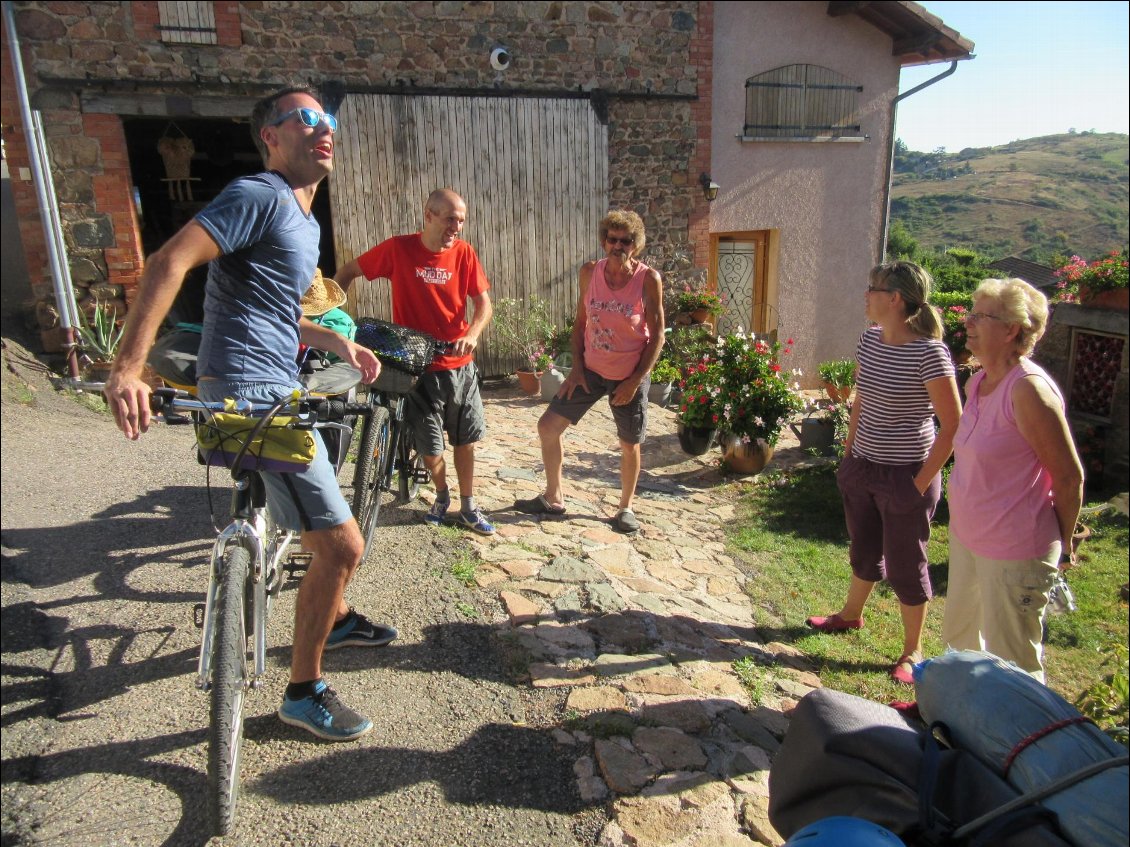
[{"x": 433, "y": 275}]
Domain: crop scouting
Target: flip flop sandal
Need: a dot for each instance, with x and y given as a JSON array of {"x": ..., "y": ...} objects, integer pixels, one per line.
[{"x": 538, "y": 506}]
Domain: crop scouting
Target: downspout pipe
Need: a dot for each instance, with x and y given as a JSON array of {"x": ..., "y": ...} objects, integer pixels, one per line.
[
  {"x": 45, "y": 196},
  {"x": 891, "y": 155}
]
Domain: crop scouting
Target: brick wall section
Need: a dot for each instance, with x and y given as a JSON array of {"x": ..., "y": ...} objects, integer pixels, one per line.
[{"x": 633, "y": 47}]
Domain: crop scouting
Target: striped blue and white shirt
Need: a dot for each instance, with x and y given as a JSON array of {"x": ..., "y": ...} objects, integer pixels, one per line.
[{"x": 896, "y": 421}]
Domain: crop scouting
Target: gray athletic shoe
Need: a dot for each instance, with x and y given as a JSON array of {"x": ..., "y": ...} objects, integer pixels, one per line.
[
  {"x": 358, "y": 631},
  {"x": 324, "y": 715}
]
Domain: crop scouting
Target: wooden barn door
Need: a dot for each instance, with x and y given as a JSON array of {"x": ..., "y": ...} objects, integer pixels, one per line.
[{"x": 534, "y": 174}]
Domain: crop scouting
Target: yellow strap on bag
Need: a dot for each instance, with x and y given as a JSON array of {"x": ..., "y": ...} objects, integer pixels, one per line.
[{"x": 278, "y": 448}]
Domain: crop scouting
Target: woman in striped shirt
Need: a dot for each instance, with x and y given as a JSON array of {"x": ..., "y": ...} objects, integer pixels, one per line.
[{"x": 890, "y": 475}]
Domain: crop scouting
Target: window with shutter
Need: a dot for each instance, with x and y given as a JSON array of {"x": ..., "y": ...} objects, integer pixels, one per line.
[
  {"x": 801, "y": 103},
  {"x": 186, "y": 22}
]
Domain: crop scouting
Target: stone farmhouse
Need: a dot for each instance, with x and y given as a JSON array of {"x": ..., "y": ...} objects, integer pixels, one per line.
[{"x": 542, "y": 114}]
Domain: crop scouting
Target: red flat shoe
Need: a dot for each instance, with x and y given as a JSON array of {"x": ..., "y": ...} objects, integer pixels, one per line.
[
  {"x": 833, "y": 623},
  {"x": 901, "y": 674}
]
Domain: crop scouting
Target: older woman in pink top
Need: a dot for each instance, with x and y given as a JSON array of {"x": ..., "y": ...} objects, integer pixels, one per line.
[
  {"x": 616, "y": 341},
  {"x": 1016, "y": 485}
]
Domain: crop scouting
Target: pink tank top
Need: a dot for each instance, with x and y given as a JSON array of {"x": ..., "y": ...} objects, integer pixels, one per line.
[
  {"x": 615, "y": 332},
  {"x": 999, "y": 494}
]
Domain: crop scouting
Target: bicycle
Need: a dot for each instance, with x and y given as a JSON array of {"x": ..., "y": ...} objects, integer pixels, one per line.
[
  {"x": 387, "y": 448},
  {"x": 245, "y": 576}
]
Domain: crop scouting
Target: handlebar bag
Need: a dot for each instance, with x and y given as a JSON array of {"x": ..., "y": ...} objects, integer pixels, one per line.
[
  {"x": 279, "y": 448},
  {"x": 399, "y": 347}
]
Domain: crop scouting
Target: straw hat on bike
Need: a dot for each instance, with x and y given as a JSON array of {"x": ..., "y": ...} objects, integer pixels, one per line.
[{"x": 323, "y": 294}]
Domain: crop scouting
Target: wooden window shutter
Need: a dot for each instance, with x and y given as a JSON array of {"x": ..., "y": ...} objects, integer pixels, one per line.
[
  {"x": 187, "y": 22},
  {"x": 801, "y": 101}
]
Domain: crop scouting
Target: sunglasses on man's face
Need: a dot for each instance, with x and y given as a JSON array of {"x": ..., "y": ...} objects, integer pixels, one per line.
[
  {"x": 309, "y": 117},
  {"x": 623, "y": 242}
]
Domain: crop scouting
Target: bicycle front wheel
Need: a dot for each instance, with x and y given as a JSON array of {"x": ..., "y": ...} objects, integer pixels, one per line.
[
  {"x": 229, "y": 685},
  {"x": 369, "y": 478}
]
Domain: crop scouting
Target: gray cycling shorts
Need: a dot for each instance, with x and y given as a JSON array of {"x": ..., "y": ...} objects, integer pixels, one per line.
[
  {"x": 303, "y": 501},
  {"x": 631, "y": 419},
  {"x": 447, "y": 401}
]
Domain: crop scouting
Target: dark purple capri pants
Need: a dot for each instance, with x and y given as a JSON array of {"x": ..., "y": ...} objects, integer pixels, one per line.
[{"x": 888, "y": 522}]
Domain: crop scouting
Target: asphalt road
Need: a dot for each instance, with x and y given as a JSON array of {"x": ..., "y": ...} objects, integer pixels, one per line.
[{"x": 105, "y": 545}]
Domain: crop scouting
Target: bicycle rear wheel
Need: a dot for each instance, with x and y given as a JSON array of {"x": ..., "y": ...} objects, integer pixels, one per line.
[
  {"x": 369, "y": 478},
  {"x": 229, "y": 685}
]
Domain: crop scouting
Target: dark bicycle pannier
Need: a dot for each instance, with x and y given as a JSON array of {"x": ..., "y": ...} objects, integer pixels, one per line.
[{"x": 398, "y": 347}]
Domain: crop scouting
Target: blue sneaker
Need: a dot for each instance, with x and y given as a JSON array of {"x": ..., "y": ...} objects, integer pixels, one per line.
[
  {"x": 437, "y": 512},
  {"x": 474, "y": 521},
  {"x": 358, "y": 631},
  {"x": 324, "y": 715}
]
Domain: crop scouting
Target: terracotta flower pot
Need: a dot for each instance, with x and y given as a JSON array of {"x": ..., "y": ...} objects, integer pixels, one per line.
[
  {"x": 530, "y": 382},
  {"x": 837, "y": 394},
  {"x": 1116, "y": 298}
]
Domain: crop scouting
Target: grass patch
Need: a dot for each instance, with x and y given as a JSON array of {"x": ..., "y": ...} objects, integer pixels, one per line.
[
  {"x": 464, "y": 566},
  {"x": 90, "y": 400},
  {"x": 466, "y": 609},
  {"x": 752, "y": 677},
  {"x": 790, "y": 538}
]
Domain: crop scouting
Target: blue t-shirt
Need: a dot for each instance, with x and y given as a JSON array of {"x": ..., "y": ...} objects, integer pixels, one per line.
[{"x": 251, "y": 304}]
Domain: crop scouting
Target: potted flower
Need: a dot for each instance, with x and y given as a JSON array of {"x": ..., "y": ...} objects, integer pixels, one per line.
[
  {"x": 696, "y": 306},
  {"x": 756, "y": 398},
  {"x": 698, "y": 409},
  {"x": 839, "y": 378},
  {"x": 551, "y": 375},
  {"x": 522, "y": 329},
  {"x": 663, "y": 376},
  {"x": 99, "y": 336},
  {"x": 1102, "y": 283}
]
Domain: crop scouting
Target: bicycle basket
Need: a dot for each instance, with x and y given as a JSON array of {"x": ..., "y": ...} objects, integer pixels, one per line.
[
  {"x": 277, "y": 448},
  {"x": 397, "y": 346}
]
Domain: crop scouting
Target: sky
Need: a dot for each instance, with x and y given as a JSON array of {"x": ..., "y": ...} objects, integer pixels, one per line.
[{"x": 1041, "y": 68}]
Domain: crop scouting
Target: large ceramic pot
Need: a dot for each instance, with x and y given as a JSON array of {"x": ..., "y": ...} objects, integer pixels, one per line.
[
  {"x": 659, "y": 393},
  {"x": 551, "y": 381},
  {"x": 816, "y": 434},
  {"x": 748, "y": 458},
  {"x": 696, "y": 440},
  {"x": 529, "y": 382}
]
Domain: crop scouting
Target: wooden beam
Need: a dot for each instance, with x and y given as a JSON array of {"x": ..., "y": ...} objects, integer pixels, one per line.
[
  {"x": 167, "y": 105},
  {"x": 920, "y": 43},
  {"x": 839, "y": 8}
]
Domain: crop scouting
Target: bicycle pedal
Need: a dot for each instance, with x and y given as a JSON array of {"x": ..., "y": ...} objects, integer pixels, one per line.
[
  {"x": 297, "y": 563},
  {"x": 198, "y": 615}
]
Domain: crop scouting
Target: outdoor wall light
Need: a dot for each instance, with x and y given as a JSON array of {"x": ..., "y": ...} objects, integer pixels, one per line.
[{"x": 709, "y": 187}]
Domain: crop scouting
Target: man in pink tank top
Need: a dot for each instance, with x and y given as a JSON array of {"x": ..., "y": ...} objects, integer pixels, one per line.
[{"x": 617, "y": 336}]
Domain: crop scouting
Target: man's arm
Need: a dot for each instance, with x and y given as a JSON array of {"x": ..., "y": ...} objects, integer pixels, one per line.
[
  {"x": 484, "y": 309},
  {"x": 165, "y": 270},
  {"x": 323, "y": 338},
  {"x": 347, "y": 273},
  {"x": 576, "y": 375},
  {"x": 653, "y": 315}
]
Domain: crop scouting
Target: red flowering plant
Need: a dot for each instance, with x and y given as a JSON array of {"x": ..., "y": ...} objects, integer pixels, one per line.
[
  {"x": 1105, "y": 274},
  {"x": 953, "y": 329},
  {"x": 699, "y": 406},
  {"x": 757, "y": 395}
]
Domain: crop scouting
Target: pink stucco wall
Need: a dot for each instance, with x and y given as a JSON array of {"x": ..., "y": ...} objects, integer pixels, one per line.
[{"x": 822, "y": 202}]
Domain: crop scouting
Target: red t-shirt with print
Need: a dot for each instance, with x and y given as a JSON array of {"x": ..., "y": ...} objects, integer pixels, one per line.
[{"x": 429, "y": 290}]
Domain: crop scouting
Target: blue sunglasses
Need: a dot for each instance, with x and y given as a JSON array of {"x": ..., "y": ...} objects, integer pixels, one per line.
[{"x": 309, "y": 117}]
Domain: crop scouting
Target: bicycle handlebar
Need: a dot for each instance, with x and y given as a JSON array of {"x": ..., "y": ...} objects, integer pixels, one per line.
[{"x": 172, "y": 403}]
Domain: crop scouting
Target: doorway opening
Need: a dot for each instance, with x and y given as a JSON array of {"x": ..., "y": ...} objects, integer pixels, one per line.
[{"x": 739, "y": 265}]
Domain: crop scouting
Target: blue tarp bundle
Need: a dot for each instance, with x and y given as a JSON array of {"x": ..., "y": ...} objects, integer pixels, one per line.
[{"x": 1031, "y": 736}]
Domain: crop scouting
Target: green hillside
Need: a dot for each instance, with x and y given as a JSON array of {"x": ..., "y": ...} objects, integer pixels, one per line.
[{"x": 1060, "y": 194}]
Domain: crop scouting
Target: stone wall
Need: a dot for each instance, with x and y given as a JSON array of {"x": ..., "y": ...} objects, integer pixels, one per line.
[{"x": 647, "y": 60}]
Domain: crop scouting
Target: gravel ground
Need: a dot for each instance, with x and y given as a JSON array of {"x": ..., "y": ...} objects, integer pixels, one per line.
[{"x": 104, "y": 550}]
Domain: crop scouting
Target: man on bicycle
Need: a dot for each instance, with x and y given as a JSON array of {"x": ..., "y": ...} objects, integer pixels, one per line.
[
  {"x": 261, "y": 241},
  {"x": 433, "y": 275}
]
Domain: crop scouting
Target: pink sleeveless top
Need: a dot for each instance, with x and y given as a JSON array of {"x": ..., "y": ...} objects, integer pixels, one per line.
[
  {"x": 615, "y": 332},
  {"x": 999, "y": 494}
]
